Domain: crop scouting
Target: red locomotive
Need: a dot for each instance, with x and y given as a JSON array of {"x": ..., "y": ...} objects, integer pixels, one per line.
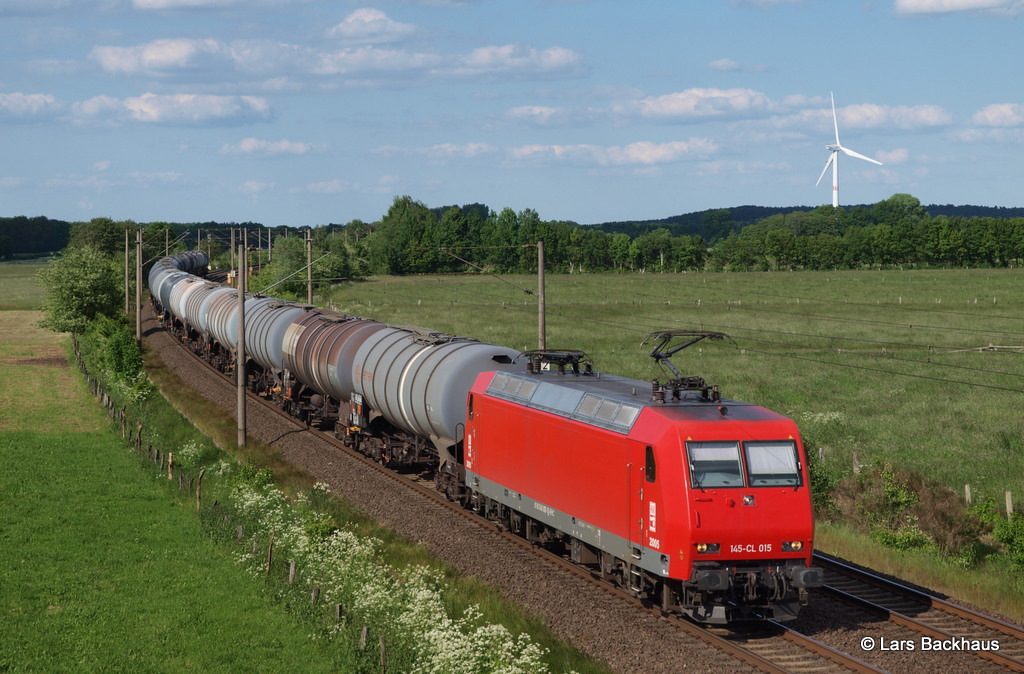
[{"x": 697, "y": 502}]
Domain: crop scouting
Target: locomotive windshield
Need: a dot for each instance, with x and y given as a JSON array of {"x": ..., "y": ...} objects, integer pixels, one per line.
[
  {"x": 772, "y": 464},
  {"x": 715, "y": 464},
  {"x": 767, "y": 464}
]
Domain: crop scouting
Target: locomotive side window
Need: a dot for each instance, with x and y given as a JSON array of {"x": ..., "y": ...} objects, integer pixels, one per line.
[
  {"x": 772, "y": 464},
  {"x": 714, "y": 464},
  {"x": 651, "y": 469}
]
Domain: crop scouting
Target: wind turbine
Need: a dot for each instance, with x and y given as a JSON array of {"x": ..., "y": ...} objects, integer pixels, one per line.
[{"x": 834, "y": 161}]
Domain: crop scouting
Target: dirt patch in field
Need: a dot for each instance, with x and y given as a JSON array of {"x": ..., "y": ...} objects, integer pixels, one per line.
[
  {"x": 44, "y": 391},
  {"x": 44, "y": 360}
]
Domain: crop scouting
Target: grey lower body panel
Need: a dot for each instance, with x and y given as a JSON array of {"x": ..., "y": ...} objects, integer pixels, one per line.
[{"x": 648, "y": 559}]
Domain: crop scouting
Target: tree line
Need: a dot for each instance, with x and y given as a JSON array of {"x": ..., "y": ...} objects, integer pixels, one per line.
[
  {"x": 898, "y": 231},
  {"x": 412, "y": 238}
]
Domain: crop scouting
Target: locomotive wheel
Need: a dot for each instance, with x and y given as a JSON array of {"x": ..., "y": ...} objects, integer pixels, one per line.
[
  {"x": 608, "y": 571},
  {"x": 668, "y": 598}
]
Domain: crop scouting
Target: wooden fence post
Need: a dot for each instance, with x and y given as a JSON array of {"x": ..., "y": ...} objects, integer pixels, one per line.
[
  {"x": 291, "y": 573},
  {"x": 238, "y": 533},
  {"x": 270, "y": 551},
  {"x": 1009, "y": 506},
  {"x": 315, "y": 597},
  {"x": 967, "y": 494},
  {"x": 170, "y": 466},
  {"x": 856, "y": 463},
  {"x": 199, "y": 489}
]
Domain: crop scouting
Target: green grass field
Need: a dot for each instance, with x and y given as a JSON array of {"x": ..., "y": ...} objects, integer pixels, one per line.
[
  {"x": 99, "y": 570},
  {"x": 18, "y": 286},
  {"x": 884, "y": 364}
]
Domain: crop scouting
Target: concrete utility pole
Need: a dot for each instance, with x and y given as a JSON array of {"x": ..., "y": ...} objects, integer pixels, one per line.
[
  {"x": 127, "y": 308},
  {"x": 138, "y": 286},
  {"x": 232, "y": 250},
  {"x": 240, "y": 374},
  {"x": 167, "y": 242},
  {"x": 309, "y": 266},
  {"x": 542, "y": 341}
]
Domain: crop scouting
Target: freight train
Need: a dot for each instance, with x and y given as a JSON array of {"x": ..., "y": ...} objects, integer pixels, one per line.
[{"x": 691, "y": 501}]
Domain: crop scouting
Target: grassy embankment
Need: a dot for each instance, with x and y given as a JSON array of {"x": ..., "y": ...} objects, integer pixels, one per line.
[
  {"x": 871, "y": 364},
  {"x": 117, "y": 573},
  {"x": 99, "y": 570}
]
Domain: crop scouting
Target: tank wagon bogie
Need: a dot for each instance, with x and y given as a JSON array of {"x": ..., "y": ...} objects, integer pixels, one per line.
[{"x": 688, "y": 500}]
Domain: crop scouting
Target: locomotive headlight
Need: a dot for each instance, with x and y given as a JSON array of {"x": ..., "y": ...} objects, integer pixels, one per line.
[
  {"x": 792, "y": 546},
  {"x": 707, "y": 547}
]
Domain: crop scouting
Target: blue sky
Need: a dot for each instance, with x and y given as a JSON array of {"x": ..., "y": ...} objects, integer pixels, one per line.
[{"x": 305, "y": 112}]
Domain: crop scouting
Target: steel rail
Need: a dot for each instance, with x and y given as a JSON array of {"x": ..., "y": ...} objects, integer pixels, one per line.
[{"x": 898, "y": 612}]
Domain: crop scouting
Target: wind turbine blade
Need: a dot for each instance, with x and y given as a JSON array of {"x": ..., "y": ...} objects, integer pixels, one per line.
[
  {"x": 831, "y": 158},
  {"x": 835, "y": 120},
  {"x": 859, "y": 156}
]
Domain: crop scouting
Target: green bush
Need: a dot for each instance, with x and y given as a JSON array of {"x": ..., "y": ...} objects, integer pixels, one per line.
[
  {"x": 905, "y": 510},
  {"x": 824, "y": 479},
  {"x": 1009, "y": 533}
]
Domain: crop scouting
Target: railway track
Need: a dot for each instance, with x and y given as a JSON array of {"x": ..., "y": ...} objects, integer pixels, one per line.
[
  {"x": 938, "y": 624},
  {"x": 769, "y": 648}
]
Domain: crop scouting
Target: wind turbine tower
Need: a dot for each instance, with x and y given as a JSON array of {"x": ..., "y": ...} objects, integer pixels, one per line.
[{"x": 833, "y": 159}]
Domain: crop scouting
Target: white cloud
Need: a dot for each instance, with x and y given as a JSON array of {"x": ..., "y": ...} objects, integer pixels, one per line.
[
  {"x": 728, "y": 65},
  {"x": 1000, "y": 114},
  {"x": 703, "y": 103},
  {"x": 515, "y": 59},
  {"x": 162, "y": 55},
  {"x": 254, "y": 188},
  {"x": 439, "y": 151},
  {"x": 277, "y": 61},
  {"x": 258, "y": 146},
  {"x": 763, "y": 4},
  {"x": 372, "y": 60},
  {"x": 31, "y": 7},
  {"x": 200, "y": 4},
  {"x": 725, "y": 65},
  {"x": 740, "y": 167},
  {"x": 897, "y": 156},
  {"x": 370, "y": 25},
  {"x": 991, "y": 135},
  {"x": 335, "y": 186},
  {"x": 27, "y": 106},
  {"x": 943, "y": 6},
  {"x": 178, "y": 109},
  {"x": 640, "y": 153},
  {"x": 537, "y": 114},
  {"x": 867, "y": 116},
  {"x": 870, "y": 115},
  {"x": 465, "y": 150}
]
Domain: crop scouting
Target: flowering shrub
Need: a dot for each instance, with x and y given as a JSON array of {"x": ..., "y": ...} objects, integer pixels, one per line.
[
  {"x": 406, "y": 605},
  {"x": 194, "y": 455}
]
